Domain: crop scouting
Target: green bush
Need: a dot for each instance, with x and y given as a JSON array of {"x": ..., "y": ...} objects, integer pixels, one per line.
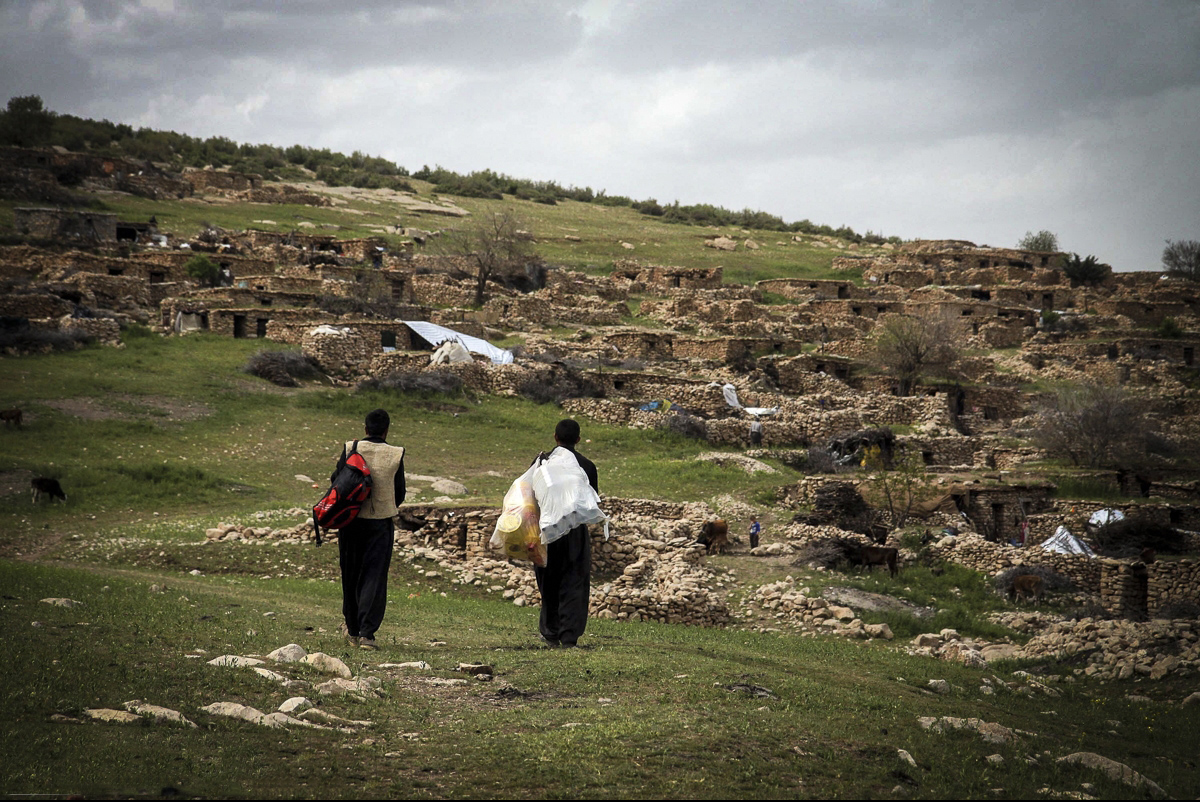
[
  {"x": 203, "y": 269},
  {"x": 1169, "y": 329},
  {"x": 1086, "y": 271},
  {"x": 1041, "y": 241},
  {"x": 1182, "y": 258}
]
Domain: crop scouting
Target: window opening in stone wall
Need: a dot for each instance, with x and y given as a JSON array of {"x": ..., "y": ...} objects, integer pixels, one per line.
[
  {"x": 260, "y": 328},
  {"x": 239, "y": 326},
  {"x": 387, "y": 340},
  {"x": 116, "y": 271},
  {"x": 264, "y": 301},
  {"x": 927, "y": 457},
  {"x": 998, "y": 521},
  {"x": 1112, "y": 351},
  {"x": 157, "y": 277},
  {"x": 1189, "y": 355},
  {"x": 856, "y": 310},
  {"x": 843, "y": 292},
  {"x": 397, "y": 291}
]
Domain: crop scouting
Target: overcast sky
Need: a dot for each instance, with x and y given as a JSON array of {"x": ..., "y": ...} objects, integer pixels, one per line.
[{"x": 959, "y": 120}]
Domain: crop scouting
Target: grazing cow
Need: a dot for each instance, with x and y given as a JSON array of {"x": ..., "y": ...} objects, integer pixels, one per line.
[
  {"x": 43, "y": 485},
  {"x": 11, "y": 417},
  {"x": 871, "y": 556},
  {"x": 1029, "y": 586},
  {"x": 714, "y": 535}
]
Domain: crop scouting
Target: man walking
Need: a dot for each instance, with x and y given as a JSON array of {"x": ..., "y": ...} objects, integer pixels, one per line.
[
  {"x": 565, "y": 581},
  {"x": 365, "y": 545}
]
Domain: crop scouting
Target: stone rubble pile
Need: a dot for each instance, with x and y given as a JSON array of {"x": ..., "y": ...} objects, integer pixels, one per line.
[
  {"x": 1121, "y": 649},
  {"x": 794, "y": 608}
]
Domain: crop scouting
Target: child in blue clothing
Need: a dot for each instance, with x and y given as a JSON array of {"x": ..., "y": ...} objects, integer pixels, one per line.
[{"x": 755, "y": 528}]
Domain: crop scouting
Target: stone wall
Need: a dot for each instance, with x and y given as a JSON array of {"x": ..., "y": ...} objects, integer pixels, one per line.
[
  {"x": 59, "y": 224},
  {"x": 1171, "y": 582},
  {"x": 991, "y": 558},
  {"x": 34, "y": 305}
]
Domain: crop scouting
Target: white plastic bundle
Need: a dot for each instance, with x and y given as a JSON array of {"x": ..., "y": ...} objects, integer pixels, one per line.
[{"x": 564, "y": 496}]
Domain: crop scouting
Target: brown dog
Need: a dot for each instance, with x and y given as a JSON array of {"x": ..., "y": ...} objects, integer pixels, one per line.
[{"x": 1027, "y": 586}]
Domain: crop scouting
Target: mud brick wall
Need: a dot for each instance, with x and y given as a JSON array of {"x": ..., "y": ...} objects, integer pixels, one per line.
[
  {"x": 436, "y": 289},
  {"x": 991, "y": 558},
  {"x": 274, "y": 283},
  {"x": 1172, "y": 582},
  {"x": 572, "y": 282},
  {"x": 34, "y": 306},
  {"x": 106, "y": 330},
  {"x": 641, "y": 344},
  {"x": 61, "y": 225},
  {"x": 109, "y": 292},
  {"x": 1123, "y": 589},
  {"x": 222, "y": 321},
  {"x": 342, "y": 353}
]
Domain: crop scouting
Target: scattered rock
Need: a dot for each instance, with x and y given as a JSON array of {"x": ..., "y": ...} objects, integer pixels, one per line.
[
  {"x": 328, "y": 665},
  {"x": 939, "y": 686},
  {"x": 157, "y": 713},
  {"x": 235, "y": 661},
  {"x": 292, "y": 653},
  {"x": 1193, "y": 699},
  {"x": 906, "y": 757},
  {"x": 1114, "y": 771},
  {"x": 449, "y": 487},
  {"x": 474, "y": 668},
  {"x": 271, "y": 675},
  {"x": 442, "y": 681},
  {"x": 108, "y": 714},
  {"x": 297, "y": 704},
  {"x": 240, "y": 711},
  {"x": 416, "y": 665},
  {"x": 62, "y": 602}
]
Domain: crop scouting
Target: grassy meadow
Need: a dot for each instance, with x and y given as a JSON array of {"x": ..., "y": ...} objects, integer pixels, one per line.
[{"x": 158, "y": 440}]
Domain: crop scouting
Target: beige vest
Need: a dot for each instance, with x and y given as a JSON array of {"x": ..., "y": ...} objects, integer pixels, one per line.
[{"x": 384, "y": 461}]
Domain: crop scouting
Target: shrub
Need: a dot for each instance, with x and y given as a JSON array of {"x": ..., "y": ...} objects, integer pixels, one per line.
[
  {"x": 1041, "y": 241},
  {"x": 1128, "y": 536},
  {"x": 282, "y": 367},
  {"x": 1169, "y": 329},
  {"x": 686, "y": 425},
  {"x": 203, "y": 269},
  {"x": 422, "y": 382},
  {"x": 1085, "y": 271},
  {"x": 1182, "y": 258},
  {"x": 1096, "y": 425},
  {"x": 25, "y": 340},
  {"x": 1052, "y": 579}
]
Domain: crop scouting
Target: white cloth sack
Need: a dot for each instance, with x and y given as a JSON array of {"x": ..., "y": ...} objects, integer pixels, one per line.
[{"x": 564, "y": 496}]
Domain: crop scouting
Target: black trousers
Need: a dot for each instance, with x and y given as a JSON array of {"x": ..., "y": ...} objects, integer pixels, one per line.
[
  {"x": 565, "y": 584},
  {"x": 365, "y": 554}
]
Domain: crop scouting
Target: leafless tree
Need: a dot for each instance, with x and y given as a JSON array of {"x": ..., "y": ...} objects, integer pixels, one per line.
[
  {"x": 911, "y": 346},
  {"x": 495, "y": 245},
  {"x": 1094, "y": 425}
]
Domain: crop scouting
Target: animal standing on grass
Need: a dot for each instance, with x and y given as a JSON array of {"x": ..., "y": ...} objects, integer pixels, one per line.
[
  {"x": 871, "y": 556},
  {"x": 43, "y": 485},
  {"x": 11, "y": 417},
  {"x": 1027, "y": 586}
]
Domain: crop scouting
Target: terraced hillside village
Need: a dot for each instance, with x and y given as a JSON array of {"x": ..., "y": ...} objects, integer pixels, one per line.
[{"x": 187, "y": 349}]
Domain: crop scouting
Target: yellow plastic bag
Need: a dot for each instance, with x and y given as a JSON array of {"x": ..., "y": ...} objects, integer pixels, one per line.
[{"x": 518, "y": 531}]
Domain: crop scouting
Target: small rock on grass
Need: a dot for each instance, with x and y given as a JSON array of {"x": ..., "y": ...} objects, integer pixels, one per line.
[
  {"x": 1115, "y": 771},
  {"x": 297, "y": 704},
  {"x": 906, "y": 757},
  {"x": 416, "y": 665},
  {"x": 292, "y": 653},
  {"x": 328, "y": 665},
  {"x": 474, "y": 668},
  {"x": 108, "y": 714},
  {"x": 235, "y": 661},
  {"x": 62, "y": 602},
  {"x": 157, "y": 713}
]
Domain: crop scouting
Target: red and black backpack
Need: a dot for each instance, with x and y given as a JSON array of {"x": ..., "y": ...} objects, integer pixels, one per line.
[{"x": 349, "y": 488}]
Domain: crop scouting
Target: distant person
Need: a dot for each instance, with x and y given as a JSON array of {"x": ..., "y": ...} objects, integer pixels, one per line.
[
  {"x": 565, "y": 580},
  {"x": 755, "y": 529},
  {"x": 756, "y": 432},
  {"x": 365, "y": 544}
]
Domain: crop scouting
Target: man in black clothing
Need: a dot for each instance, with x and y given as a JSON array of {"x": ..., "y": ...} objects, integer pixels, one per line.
[
  {"x": 365, "y": 544},
  {"x": 565, "y": 581}
]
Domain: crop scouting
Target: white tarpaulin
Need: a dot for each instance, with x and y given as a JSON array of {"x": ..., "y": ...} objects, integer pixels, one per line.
[
  {"x": 450, "y": 352},
  {"x": 1063, "y": 542},
  {"x": 1104, "y": 517},
  {"x": 731, "y": 398},
  {"x": 436, "y": 335}
]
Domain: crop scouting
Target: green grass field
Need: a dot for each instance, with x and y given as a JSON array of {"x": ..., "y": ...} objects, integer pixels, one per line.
[{"x": 158, "y": 440}]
